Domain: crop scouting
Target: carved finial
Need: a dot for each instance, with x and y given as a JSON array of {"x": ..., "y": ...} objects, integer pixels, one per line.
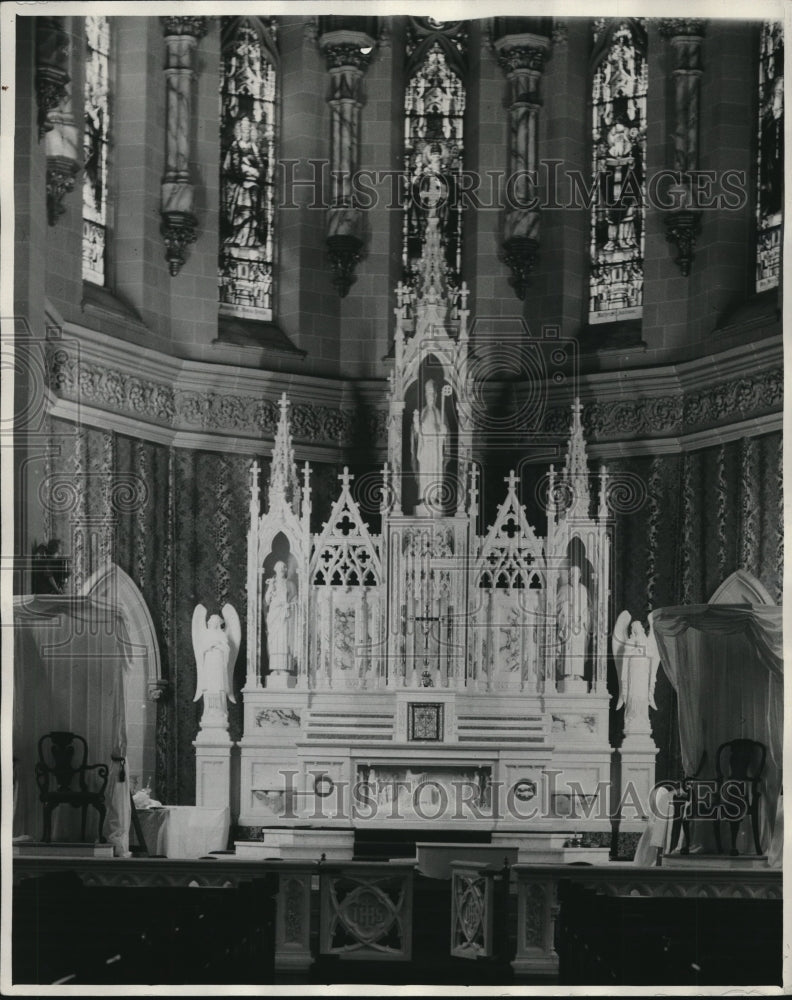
[
  {"x": 511, "y": 481},
  {"x": 385, "y": 504},
  {"x": 575, "y": 473},
  {"x": 283, "y": 486},
  {"x": 603, "y": 501},
  {"x": 474, "y": 488}
]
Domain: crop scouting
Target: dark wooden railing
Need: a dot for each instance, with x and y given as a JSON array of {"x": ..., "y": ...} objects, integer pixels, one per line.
[{"x": 170, "y": 921}]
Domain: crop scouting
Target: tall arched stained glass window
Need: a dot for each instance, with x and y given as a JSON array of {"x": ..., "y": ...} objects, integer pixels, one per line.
[
  {"x": 618, "y": 133},
  {"x": 95, "y": 143},
  {"x": 248, "y": 136},
  {"x": 770, "y": 156},
  {"x": 434, "y": 107}
]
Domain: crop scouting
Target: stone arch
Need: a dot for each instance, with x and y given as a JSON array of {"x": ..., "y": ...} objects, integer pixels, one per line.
[
  {"x": 741, "y": 587},
  {"x": 143, "y": 683}
]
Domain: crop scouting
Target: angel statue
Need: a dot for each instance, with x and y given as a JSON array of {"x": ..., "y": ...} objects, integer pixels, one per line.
[
  {"x": 637, "y": 659},
  {"x": 216, "y": 645}
]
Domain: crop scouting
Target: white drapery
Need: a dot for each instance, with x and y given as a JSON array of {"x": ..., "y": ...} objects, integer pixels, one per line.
[
  {"x": 70, "y": 662},
  {"x": 725, "y": 661}
]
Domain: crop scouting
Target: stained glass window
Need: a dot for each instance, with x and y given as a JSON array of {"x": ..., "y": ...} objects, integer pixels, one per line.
[
  {"x": 95, "y": 146},
  {"x": 434, "y": 105},
  {"x": 248, "y": 135},
  {"x": 618, "y": 119},
  {"x": 770, "y": 156}
]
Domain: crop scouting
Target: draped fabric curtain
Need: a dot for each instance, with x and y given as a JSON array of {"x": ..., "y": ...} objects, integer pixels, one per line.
[
  {"x": 70, "y": 661},
  {"x": 726, "y": 664}
]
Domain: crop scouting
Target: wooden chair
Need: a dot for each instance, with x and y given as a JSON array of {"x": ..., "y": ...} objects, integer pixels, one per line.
[
  {"x": 738, "y": 768},
  {"x": 63, "y": 763}
]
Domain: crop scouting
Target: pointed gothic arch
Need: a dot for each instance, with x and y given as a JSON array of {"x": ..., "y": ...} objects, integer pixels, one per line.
[{"x": 110, "y": 585}]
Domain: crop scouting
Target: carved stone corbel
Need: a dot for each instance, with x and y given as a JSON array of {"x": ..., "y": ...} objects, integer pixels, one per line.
[
  {"x": 682, "y": 228},
  {"x": 522, "y": 58},
  {"x": 685, "y": 36},
  {"x": 61, "y": 177},
  {"x": 179, "y": 224},
  {"x": 347, "y": 54}
]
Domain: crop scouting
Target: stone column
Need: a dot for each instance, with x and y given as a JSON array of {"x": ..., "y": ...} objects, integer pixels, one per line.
[
  {"x": 522, "y": 58},
  {"x": 62, "y": 138},
  {"x": 179, "y": 224},
  {"x": 683, "y": 223},
  {"x": 347, "y": 54}
]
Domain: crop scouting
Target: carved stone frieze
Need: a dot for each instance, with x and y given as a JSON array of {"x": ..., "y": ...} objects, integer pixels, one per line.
[
  {"x": 737, "y": 398},
  {"x": 675, "y": 414},
  {"x": 78, "y": 378},
  {"x": 113, "y": 389}
]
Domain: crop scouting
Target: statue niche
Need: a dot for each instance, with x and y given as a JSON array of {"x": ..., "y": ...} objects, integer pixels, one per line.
[
  {"x": 279, "y": 608},
  {"x": 429, "y": 444},
  {"x": 575, "y": 620}
]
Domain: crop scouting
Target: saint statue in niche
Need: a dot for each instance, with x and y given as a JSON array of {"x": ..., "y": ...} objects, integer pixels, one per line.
[
  {"x": 279, "y": 598},
  {"x": 430, "y": 446},
  {"x": 573, "y": 623}
]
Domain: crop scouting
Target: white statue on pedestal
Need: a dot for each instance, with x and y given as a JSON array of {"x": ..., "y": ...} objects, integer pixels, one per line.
[
  {"x": 429, "y": 444},
  {"x": 279, "y": 598},
  {"x": 573, "y": 623},
  {"x": 637, "y": 659},
  {"x": 216, "y": 645}
]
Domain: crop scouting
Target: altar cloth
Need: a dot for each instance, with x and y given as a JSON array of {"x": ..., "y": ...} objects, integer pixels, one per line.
[{"x": 185, "y": 831}]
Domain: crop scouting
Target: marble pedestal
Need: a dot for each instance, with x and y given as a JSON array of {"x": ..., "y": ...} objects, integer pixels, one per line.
[
  {"x": 637, "y": 757},
  {"x": 212, "y": 769}
]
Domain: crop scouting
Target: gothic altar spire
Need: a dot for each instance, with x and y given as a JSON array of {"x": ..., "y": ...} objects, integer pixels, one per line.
[
  {"x": 575, "y": 474},
  {"x": 284, "y": 487}
]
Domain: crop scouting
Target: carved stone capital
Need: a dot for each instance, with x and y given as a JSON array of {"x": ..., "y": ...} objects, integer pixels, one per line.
[
  {"x": 61, "y": 175},
  {"x": 179, "y": 230},
  {"x": 672, "y": 26},
  {"x": 52, "y": 55},
  {"x": 560, "y": 34},
  {"x": 355, "y": 53},
  {"x": 681, "y": 230},
  {"x": 157, "y": 689},
  {"x": 522, "y": 52},
  {"x": 194, "y": 26}
]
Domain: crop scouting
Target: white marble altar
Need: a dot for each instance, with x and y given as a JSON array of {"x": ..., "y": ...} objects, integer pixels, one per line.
[{"x": 453, "y": 675}]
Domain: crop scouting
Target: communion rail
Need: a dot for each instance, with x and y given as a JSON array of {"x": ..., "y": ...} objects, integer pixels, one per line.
[{"x": 168, "y": 921}]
